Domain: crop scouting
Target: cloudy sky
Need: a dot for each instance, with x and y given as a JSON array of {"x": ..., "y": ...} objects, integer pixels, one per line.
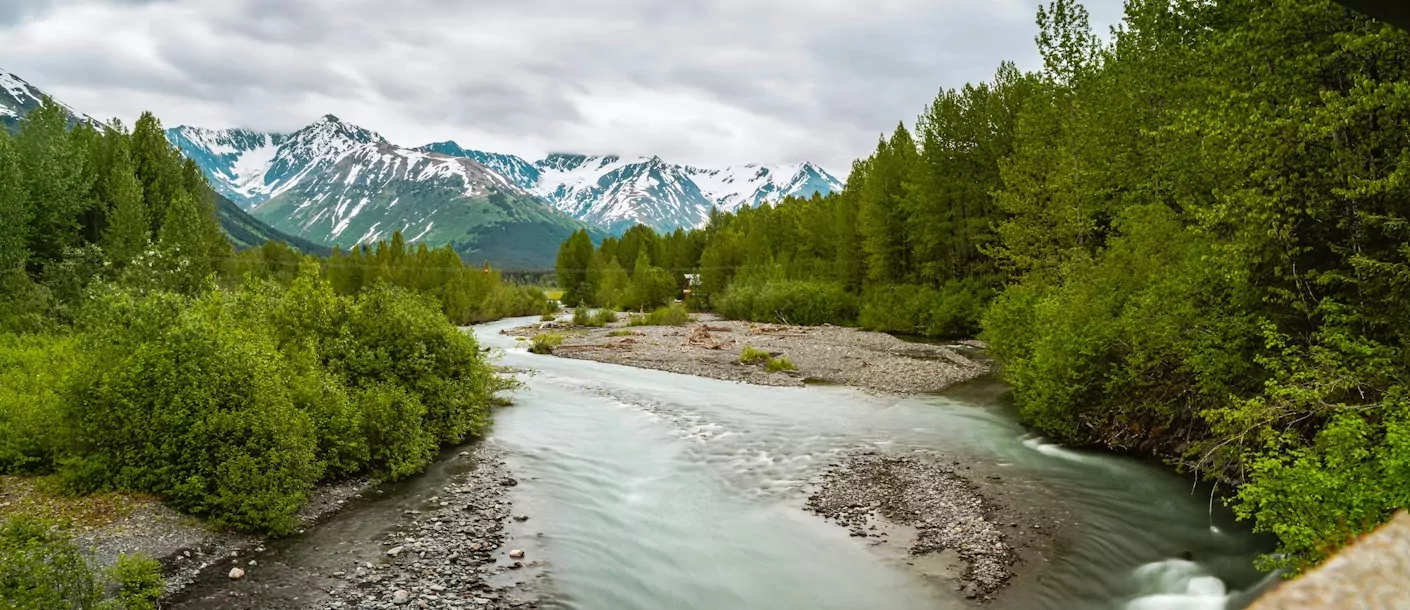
[{"x": 710, "y": 82}]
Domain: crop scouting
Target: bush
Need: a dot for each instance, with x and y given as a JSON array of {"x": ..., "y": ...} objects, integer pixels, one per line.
[
  {"x": 139, "y": 581},
  {"x": 779, "y": 364},
  {"x": 791, "y": 301},
  {"x": 394, "y": 424},
  {"x": 953, "y": 311},
  {"x": 752, "y": 355},
  {"x": 33, "y": 369},
  {"x": 593, "y": 318},
  {"x": 194, "y": 408},
  {"x": 672, "y": 315},
  {"x": 545, "y": 342},
  {"x": 41, "y": 568}
]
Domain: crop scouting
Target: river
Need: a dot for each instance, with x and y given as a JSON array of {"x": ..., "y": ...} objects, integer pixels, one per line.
[{"x": 651, "y": 490}]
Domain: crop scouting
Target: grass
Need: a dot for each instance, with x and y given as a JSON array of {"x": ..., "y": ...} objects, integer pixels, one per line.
[
  {"x": 779, "y": 364},
  {"x": 753, "y": 355},
  {"x": 544, "y": 343},
  {"x": 41, "y": 497},
  {"x": 671, "y": 315}
]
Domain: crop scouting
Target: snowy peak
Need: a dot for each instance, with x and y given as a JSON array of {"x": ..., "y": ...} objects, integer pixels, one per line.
[
  {"x": 235, "y": 159},
  {"x": 516, "y": 169},
  {"x": 18, "y": 98},
  {"x": 616, "y": 193}
]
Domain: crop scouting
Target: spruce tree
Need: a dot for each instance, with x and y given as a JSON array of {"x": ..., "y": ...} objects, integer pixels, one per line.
[{"x": 129, "y": 229}]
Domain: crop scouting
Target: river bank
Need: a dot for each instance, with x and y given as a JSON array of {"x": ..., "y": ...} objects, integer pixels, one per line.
[{"x": 711, "y": 347}]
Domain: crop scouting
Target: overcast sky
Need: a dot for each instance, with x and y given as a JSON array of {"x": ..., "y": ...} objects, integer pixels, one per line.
[{"x": 709, "y": 82}]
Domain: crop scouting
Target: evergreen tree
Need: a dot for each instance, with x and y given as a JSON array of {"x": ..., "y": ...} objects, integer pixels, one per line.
[{"x": 128, "y": 229}]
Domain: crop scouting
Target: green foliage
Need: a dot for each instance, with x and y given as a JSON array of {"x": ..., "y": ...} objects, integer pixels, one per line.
[
  {"x": 139, "y": 582},
  {"x": 33, "y": 369},
  {"x": 673, "y": 315},
  {"x": 952, "y": 311},
  {"x": 779, "y": 365},
  {"x": 42, "y": 569},
  {"x": 593, "y": 318},
  {"x": 753, "y": 355},
  {"x": 790, "y": 302},
  {"x": 574, "y": 257},
  {"x": 543, "y": 343}
]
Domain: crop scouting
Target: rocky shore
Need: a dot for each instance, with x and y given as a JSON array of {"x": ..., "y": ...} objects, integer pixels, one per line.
[
  {"x": 925, "y": 507},
  {"x": 710, "y": 347},
  {"x": 451, "y": 556}
]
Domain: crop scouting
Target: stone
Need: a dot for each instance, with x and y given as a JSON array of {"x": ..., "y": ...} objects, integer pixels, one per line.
[
  {"x": 394, "y": 551},
  {"x": 516, "y": 554},
  {"x": 237, "y": 574},
  {"x": 400, "y": 597}
]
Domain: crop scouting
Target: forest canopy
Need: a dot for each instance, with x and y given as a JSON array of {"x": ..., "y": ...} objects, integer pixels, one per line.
[{"x": 1187, "y": 238}]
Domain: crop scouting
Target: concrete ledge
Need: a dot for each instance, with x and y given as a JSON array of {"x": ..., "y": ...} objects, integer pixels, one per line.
[{"x": 1372, "y": 574}]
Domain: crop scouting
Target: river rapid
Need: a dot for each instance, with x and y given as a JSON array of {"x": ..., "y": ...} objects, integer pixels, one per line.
[{"x": 657, "y": 491}]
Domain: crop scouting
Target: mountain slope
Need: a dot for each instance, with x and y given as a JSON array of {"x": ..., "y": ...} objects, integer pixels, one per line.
[
  {"x": 18, "y": 98},
  {"x": 617, "y": 193},
  {"x": 337, "y": 183}
]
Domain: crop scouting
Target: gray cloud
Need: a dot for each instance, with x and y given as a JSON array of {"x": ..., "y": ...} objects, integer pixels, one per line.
[{"x": 698, "y": 81}]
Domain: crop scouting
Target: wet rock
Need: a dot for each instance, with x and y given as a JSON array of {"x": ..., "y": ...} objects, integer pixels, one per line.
[{"x": 516, "y": 554}]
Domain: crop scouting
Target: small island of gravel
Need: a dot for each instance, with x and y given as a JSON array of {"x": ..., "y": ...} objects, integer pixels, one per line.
[{"x": 711, "y": 347}]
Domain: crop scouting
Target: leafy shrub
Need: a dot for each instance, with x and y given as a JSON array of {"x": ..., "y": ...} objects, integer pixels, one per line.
[
  {"x": 593, "y": 318},
  {"x": 753, "y": 355},
  {"x": 671, "y": 315},
  {"x": 399, "y": 337},
  {"x": 41, "y": 568},
  {"x": 791, "y": 301},
  {"x": 139, "y": 581},
  {"x": 779, "y": 364},
  {"x": 399, "y": 442},
  {"x": 544, "y": 343},
  {"x": 953, "y": 311},
  {"x": 33, "y": 369},
  {"x": 194, "y": 408}
]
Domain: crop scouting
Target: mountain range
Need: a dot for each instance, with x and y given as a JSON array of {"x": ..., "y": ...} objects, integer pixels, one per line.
[{"x": 336, "y": 183}]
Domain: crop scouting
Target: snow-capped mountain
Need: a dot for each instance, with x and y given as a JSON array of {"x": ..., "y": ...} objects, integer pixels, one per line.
[
  {"x": 616, "y": 193},
  {"x": 338, "y": 183},
  {"x": 18, "y": 98}
]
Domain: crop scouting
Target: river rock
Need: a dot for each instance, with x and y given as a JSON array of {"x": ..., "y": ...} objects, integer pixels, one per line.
[
  {"x": 237, "y": 574},
  {"x": 516, "y": 554},
  {"x": 394, "y": 551},
  {"x": 400, "y": 597}
]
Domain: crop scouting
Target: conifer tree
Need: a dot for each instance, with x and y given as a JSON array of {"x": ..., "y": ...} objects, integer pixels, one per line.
[{"x": 129, "y": 230}]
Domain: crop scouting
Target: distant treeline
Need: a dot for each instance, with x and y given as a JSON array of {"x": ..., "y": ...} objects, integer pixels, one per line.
[{"x": 1188, "y": 239}]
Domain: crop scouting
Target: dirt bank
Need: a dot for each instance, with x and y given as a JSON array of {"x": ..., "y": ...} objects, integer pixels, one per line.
[{"x": 710, "y": 347}]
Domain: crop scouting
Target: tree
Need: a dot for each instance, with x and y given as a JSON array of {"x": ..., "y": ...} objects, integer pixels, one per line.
[
  {"x": 574, "y": 256},
  {"x": 129, "y": 230}
]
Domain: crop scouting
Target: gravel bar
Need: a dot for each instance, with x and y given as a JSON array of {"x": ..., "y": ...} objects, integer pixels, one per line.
[
  {"x": 944, "y": 509},
  {"x": 710, "y": 347}
]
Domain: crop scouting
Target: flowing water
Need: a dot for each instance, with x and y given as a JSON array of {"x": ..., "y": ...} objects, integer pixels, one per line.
[{"x": 650, "y": 490}]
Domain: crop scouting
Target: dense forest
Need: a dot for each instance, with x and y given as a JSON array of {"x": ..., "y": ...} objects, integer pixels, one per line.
[
  {"x": 139, "y": 352},
  {"x": 1187, "y": 238}
]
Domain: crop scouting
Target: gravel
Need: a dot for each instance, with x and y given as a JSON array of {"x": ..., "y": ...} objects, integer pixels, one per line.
[
  {"x": 944, "y": 509},
  {"x": 449, "y": 557},
  {"x": 710, "y": 347},
  {"x": 185, "y": 545}
]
